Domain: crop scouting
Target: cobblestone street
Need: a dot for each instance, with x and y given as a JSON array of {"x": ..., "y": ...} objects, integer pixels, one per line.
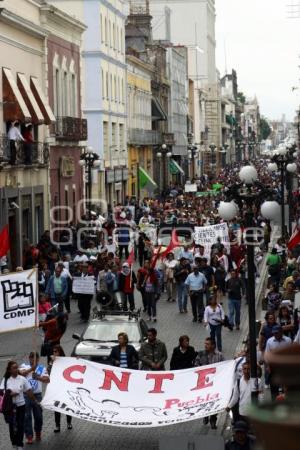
[{"x": 170, "y": 326}]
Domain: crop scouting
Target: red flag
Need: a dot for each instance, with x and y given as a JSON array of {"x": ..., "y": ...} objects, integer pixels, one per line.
[
  {"x": 155, "y": 258},
  {"x": 4, "y": 241},
  {"x": 294, "y": 239},
  {"x": 173, "y": 244},
  {"x": 130, "y": 260}
]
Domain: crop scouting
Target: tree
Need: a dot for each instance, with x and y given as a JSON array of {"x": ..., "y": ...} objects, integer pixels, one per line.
[
  {"x": 265, "y": 129},
  {"x": 241, "y": 97}
]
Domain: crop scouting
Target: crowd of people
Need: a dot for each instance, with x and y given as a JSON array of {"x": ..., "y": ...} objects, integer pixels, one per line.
[{"x": 124, "y": 253}]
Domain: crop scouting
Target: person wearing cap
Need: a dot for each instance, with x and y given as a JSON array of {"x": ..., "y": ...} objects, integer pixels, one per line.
[
  {"x": 278, "y": 340},
  {"x": 36, "y": 374},
  {"x": 126, "y": 281},
  {"x": 241, "y": 439}
]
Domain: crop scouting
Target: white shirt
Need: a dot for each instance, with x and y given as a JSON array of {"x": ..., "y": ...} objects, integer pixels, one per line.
[
  {"x": 242, "y": 395},
  {"x": 36, "y": 385},
  {"x": 14, "y": 134},
  {"x": 81, "y": 258},
  {"x": 297, "y": 337},
  {"x": 111, "y": 248},
  {"x": 273, "y": 343},
  {"x": 213, "y": 317},
  {"x": 19, "y": 385}
]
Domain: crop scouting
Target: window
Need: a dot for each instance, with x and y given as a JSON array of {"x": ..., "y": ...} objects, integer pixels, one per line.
[
  {"x": 56, "y": 93},
  {"x": 121, "y": 41},
  {"x": 105, "y": 140},
  {"x": 119, "y": 89},
  {"x": 121, "y": 137},
  {"x": 109, "y": 35},
  {"x": 107, "y": 85},
  {"x": 122, "y": 90},
  {"x": 113, "y": 136},
  {"x": 73, "y": 97},
  {"x": 102, "y": 83},
  {"x": 114, "y": 36},
  {"x": 106, "y": 31},
  {"x": 101, "y": 28},
  {"x": 115, "y": 87},
  {"x": 117, "y": 38},
  {"x": 111, "y": 87},
  {"x": 65, "y": 94}
]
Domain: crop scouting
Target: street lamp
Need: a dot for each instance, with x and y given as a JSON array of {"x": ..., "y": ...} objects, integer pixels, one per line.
[
  {"x": 164, "y": 152},
  {"x": 89, "y": 160},
  {"x": 247, "y": 194},
  {"x": 193, "y": 153},
  {"x": 283, "y": 161}
]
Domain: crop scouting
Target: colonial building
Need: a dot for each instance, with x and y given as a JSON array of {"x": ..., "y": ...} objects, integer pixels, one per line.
[
  {"x": 104, "y": 92},
  {"x": 69, "y": 133},
  {"x": 141, "y": 137},
  {"x": 24, "y": 175}
]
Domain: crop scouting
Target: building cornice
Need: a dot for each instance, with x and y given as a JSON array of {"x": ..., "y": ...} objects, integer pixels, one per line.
[
  {"x": 21, "y": 46},
  {"x": 20, "y": 23},
  {"x": 59, "y": 17},
  {"x": 139, "y": 62},
  {"x": 101, "y": 55}
]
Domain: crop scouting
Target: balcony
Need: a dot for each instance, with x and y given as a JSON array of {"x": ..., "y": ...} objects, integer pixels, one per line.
[
  {"x": 70, "y": 129},
  {"x": 36, "y": 153},
  {"x": 137, "y": 136}
]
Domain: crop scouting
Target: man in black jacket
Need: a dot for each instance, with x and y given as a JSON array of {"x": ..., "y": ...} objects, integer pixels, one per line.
[
  {"x": 181, "y": 272},
  {"x": 124, "y": 355}
]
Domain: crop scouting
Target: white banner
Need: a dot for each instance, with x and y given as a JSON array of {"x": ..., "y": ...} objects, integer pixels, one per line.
[
  {"x": 207, "y": 236},
  {"x": 132, "y": 398},
  {"x": 83, "y": 285},
  {"x": 18, "y": 300}
]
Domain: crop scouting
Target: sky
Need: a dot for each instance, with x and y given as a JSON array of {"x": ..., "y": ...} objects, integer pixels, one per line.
[{"x": 263, "y": 45}]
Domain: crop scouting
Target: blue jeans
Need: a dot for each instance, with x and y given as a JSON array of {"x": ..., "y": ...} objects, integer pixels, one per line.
[
  {"x": 216, "y": 335},
  {"x": 234, "y": 307},
  {"x": 182, "y": 296},
  {"x": 36, "y": 410}
]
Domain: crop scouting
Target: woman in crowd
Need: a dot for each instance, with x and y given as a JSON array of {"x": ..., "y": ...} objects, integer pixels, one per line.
[
  {"x": 214, "y": 317},
  {"x": 124, "y": 355},
  {"x": 170, "y": 264},
  {"x": 15, "y": 386},
  {"x": 184, "y": 355},
  {"x": 273, "y": 298},
  {"x": 285, "y": 319},
  {"x": 58, "y": 352}
]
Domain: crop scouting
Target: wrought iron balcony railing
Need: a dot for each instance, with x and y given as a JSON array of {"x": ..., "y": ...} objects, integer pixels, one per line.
[
  {"x": 137, "y": 136},
  {"x": 36, "y": 153},
  {"x": 70, "y": 129}
]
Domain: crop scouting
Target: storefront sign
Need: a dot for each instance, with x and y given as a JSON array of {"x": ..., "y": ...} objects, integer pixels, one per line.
[
  {"x": 132, "y": 398},
  {"x": 18, "y": 299}
]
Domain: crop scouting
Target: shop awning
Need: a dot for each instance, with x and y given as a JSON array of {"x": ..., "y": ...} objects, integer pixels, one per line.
[
  {"x": 42, "y": 102},
  {"x": 31, "y": 103},
  {"x": 157, "y": 111},
  {"x": 14, "y": 106},
  {"x": 175, "y": 168},
  {"x": 146, "y": 181}
]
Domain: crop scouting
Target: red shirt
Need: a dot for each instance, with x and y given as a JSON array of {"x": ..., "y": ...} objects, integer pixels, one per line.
[{"x": 128, "y": 285}]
